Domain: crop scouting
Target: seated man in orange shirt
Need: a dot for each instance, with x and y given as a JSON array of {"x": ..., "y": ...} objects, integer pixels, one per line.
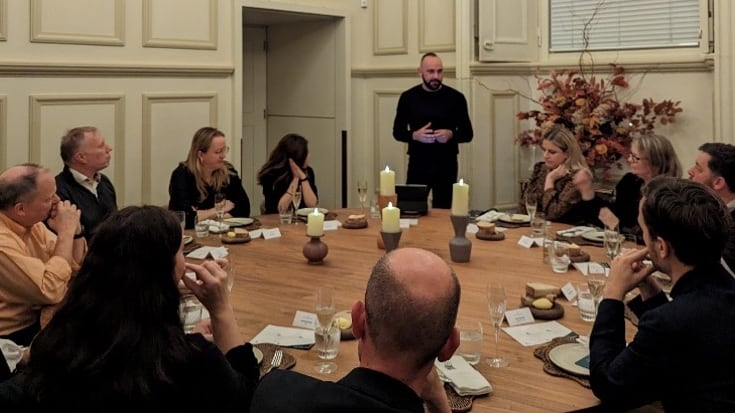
[{"x": 35, "y": 263}]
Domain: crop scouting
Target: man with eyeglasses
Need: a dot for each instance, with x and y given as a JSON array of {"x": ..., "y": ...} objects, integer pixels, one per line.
[{"x": 715, "y": 168}]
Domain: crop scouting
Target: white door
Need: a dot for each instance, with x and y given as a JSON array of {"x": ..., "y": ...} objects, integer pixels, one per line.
[{"x": 254, "y": 113}]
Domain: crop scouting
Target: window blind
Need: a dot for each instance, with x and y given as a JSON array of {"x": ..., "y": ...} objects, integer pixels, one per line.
[{"x": 623, "y": 24}]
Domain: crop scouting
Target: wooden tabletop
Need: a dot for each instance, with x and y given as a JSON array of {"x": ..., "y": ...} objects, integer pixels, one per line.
[{"x": 273, "y": 280}]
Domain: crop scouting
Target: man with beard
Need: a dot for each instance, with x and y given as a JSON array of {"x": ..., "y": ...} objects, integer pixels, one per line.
[
  {"x": 433, "y": 119},
  {"x": 682, "y": 353},
  {"x": 715, "y": 168},
  {"x": 85, "y": 153}
]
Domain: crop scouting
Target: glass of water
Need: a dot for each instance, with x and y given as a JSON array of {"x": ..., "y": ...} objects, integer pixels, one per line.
[{"x": 470, "y": 340}]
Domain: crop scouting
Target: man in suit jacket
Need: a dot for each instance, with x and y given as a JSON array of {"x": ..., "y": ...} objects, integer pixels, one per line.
[
  {"x": 85, "y": 153},
  {"x": 406, "y": 321},
  {"x": 682, "y": 353},
  {"x": 715, "y": 168}
]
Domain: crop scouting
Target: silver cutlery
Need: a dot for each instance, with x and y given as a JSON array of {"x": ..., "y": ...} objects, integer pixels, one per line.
[{"x": 275, "y": 361}]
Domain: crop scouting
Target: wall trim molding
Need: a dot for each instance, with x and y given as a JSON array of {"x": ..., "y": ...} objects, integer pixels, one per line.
[
  {"x": 377, "y": 48},
  {"x": 117, "y": 38},
  {"x": 150, "y": 41},
  {"x": 531, "y": 69},
  {"x": 3, "y": 20},
  {"x": 34, "y": 69},
  {"x": 391, "y": 72}
]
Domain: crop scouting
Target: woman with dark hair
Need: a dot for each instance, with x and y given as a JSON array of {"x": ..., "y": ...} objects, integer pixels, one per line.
[
  {"x": 286, "y": 171},
  {"x": 117, "y": 341},
  {"x": 203, "y": 174}
]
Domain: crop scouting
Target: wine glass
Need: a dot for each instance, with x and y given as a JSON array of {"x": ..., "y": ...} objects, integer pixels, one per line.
[
  {"x": 496, "y": 306},
  {"x": 219, "y": 207},
  {"x": 531, "y": 206},
  {"x": 612, "y": 241},
  {"x": 596, "y": 280},
  {"x": 325, "y": 338},
  {"x": 362, "y": 188},
  {"x": 296, "y": 201}
]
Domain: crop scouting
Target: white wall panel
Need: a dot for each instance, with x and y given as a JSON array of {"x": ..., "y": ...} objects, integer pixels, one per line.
[
  {"x": 390, "y": 27},
  {"x": 55, "y": 21},
  {"x": 388, "y": 151},
  {"x": 436, "y": 26},
  {"x": 195, "y": 29}
]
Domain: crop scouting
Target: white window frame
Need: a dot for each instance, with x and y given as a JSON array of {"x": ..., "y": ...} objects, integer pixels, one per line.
[{"x": 661, "y": 55}]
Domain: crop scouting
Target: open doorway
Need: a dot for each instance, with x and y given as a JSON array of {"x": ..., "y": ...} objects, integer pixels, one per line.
[{"x": 294, "y": 80}]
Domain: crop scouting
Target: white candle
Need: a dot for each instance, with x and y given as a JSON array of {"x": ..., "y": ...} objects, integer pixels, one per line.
[
  {"x": 460, "y": 198},
  {"x": 391, "y": 218},
  {"x": 315, "y": 224},
  {"x": 387, "y": 182}
]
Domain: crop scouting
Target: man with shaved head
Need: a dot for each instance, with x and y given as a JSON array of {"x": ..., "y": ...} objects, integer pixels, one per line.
[
  {"x": 406, "y": 321},
  {"x": 35, "y": 263}
]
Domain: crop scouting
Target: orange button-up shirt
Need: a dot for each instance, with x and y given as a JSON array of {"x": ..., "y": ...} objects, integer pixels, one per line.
[{"x": 31, "y": 276}]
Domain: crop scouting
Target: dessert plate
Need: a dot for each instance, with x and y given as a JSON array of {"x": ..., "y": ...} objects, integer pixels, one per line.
[
  {"x": 522, "y": 219},
  {"x": 566, "y": 356},
  {"x": 596, "y": 236},
  {"x": 187, "y": 239},
  {"x": 258, "y": 354},
  {"x": 238, "y": 222}
]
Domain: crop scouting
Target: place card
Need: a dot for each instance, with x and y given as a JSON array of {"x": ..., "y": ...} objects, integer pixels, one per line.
[
  {"x": 569, "y": 292},
  {"x": 535, "y": 334},
  {"x": 331, "y": 225},
  {"x": 256, "y": 233},
  {"x": 270, "y": 233},
  {"x": 519, "y": 316},
  {"x": 304, "y": 319},
  {"x": 404, "y": 223},
  {"x": 526, "y": 242},
  {"x": 285, "y": 336},
  {"x": 204, "y": 252}
]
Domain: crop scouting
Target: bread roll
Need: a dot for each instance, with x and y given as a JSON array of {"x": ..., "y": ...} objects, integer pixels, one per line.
[{"x": 538, "y": 290}]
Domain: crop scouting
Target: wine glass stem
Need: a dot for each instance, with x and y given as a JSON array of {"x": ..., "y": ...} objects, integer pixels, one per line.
[{"x": 497, "y": 342}]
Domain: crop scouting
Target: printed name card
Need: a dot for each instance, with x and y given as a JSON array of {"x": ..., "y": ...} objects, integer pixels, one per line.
[
  {"x": 331, "y": 225},
  {"x": 270, "y": 233},
  {"x": 256, "y": 233},
  {"x": 519, "y": 316},
  {"x": 305, "y": 319},
  {"x": 569, "y": 292},
  {"x": 526, "y": 242}
]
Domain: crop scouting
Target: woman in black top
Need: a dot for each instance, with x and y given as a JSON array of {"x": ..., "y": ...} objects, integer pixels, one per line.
[
  {"x": 117, "y": 342},
  {"x": 203, "y": 174},
  {"x": 286, "y": 170}
]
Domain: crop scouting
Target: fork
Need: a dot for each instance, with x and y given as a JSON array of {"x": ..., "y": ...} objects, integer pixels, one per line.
[{"x": 275, "y": 361}]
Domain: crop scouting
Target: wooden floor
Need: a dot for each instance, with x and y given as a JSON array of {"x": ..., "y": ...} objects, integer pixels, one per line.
[{"x": 273, "y": 280}]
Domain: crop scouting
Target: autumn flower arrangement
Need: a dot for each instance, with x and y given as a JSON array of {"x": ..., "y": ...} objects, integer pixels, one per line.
[{"x": 592, "y": 109}]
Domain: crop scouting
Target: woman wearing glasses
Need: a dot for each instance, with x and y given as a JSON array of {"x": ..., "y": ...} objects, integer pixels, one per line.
[
  {"x": 286, "y": 172},
  {"x": 205, "y": 173},
  {"x": 650, "y": 156}
]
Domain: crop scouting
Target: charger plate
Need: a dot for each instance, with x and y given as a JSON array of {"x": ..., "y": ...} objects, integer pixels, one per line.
[
  {"x": 268, "y": 349},
  {"x": 542, "y": 353}
]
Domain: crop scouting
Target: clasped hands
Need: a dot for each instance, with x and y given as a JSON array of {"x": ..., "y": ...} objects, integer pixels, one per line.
[
  {"x": 428, "y": 135},
  {"x": 64, "y": 218},
  {"x": 627, "y": 271}
]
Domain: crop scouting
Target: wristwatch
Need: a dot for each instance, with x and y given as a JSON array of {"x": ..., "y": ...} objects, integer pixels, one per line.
[
  {"x": 305, "y": 179},
  {"x": 81, "y": 233}
]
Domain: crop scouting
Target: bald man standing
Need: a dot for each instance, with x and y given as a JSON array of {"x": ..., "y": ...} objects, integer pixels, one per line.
[
  {"x": 406, "y": 321},
  {"x": 35, "y": 263}
]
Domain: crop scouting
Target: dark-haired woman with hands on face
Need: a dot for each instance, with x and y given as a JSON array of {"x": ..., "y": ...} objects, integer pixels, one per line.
[
  {"x": 117, "y": 342},
  {"x": 286, "y": 171}
]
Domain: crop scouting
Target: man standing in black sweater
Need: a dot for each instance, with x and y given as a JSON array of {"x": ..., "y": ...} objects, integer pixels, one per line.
[
  {"x": 433, "y": 119},
  {"x": 85, "y": 153}
]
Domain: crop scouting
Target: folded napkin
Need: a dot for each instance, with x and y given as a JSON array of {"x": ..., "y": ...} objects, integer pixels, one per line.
[
  {"x": 285, "y": 337},
  {"x": 490, "y": 216},
  {"x": 12, "y": 352},
  {"x": 204, "y": 252},
  {"x": 215, "y": 226},
  {"x": 463, "y": 378}
]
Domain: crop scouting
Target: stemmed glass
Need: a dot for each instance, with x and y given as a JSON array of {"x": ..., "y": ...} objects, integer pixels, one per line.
[
  {"x": 596, "y": 280},
  {"x": 219, "y": 206},
  {"x": 296, "y": 201},
  {"x": 326, "y": 348},
  {"x": 496, "y": 306},
  {"x": 531, "y": 205},
  {"x": 362, "y": 188},
  {"x": 612, "y": 242}
]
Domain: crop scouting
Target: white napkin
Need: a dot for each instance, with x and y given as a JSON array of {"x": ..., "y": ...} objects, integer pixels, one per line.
[
  {"x": 491, "y": 216},
  {"x": 215, "y": 226},
  {"x": 202, "y": 253},
  {"x": 12, "y": 352},
  {"x": 465, "y": 380}
]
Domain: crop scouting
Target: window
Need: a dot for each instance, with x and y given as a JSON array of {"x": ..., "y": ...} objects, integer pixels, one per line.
[{"x": 624, "y": 24}]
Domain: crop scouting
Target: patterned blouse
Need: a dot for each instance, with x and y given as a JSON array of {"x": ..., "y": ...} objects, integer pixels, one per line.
[{"x": 555, "y": 202}]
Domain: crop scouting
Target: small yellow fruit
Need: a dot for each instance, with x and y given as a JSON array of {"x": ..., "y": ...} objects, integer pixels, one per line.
[
  {"x": 542, "y": 303},
  {"x": 344, "y": 323},
  {"x": 231, "y": 234}
]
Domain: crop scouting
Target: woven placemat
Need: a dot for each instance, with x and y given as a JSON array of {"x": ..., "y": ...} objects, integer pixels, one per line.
[
  {"x": 268, "y": 350},
  {"x": 549, "y": 367},
  {"x": 456, "y": 402}
]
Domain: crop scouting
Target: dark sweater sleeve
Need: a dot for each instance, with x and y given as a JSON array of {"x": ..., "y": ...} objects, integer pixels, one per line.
[
  {"x": 401, "y": 131},
  {"x": 183, "y": 195},
  {"x": 236, "y": 193}
]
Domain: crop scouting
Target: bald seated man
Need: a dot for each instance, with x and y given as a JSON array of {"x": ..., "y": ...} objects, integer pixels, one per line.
[
  {"x": 406, "y": 321},
  {"x": 36, "y": 264}
]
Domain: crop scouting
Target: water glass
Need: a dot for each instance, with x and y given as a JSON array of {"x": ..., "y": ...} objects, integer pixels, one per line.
[
  {"x": 327, "y": 344},
  {"x": 612, "y": 242},
  {"x": 181, "y": 217},
  {"x": 537, "y": 225},
  {"x": 470, "y": 340},
  {"x": 559, "y": 257},
  {"x": 201, "y": 228},
  {"x": 284, "y": 214},
  {"x": 585, "y": 303},
  {"x": 190, "y": 311}
]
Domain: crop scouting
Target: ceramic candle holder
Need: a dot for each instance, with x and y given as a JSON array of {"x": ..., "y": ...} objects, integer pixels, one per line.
[
  {"x": 315, "y": 250},
  {"x": 390, "y": 240},
  {"x": 460, "y": 247}
]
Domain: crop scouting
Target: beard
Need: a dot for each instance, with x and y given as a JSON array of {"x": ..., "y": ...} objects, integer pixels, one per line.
[{"x": 432, "y": 85}]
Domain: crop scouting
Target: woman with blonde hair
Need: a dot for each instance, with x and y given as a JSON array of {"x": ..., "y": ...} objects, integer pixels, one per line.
[
  {"x": 551, "y": 183},
  {"x": 205, "y": 173}
]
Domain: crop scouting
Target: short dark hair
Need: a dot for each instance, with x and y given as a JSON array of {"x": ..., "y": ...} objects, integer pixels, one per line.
[
  {"x": 428, "y": 54},
  {"x": 71, "y": 141},
  {"x": 689, "y": 216},
  {"x": 19, "y": 189},
  {"x": 401, "y": 324},
  {"x": 722, "y": 161}
]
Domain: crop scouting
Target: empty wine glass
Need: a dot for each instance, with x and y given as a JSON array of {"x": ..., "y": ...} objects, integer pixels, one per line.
[
  {"x": 596, "y": 280},
  {"x": 296, "y": 201},
  {"x": 327, "y": 342},
  {"x": 362, "y": 188},
  {"x": 612, "y": 242},
  {"x": 496, "y": 306},
  {"x": 219, "y": 207}
]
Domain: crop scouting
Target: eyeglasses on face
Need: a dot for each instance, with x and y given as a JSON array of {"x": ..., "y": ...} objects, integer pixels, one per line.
[
  {"x": 633, "y": 157},
  {"x": 226, "y": 149}
]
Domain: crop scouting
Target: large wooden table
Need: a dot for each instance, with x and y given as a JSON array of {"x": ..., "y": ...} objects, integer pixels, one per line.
[{"x": 273, "y": 280}]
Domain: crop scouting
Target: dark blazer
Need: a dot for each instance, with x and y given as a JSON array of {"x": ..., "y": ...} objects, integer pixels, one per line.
[
  {"x": 361, "y": 391},
  {"x": 94, "y": 209},
  {"x": 682, "y": 353}
]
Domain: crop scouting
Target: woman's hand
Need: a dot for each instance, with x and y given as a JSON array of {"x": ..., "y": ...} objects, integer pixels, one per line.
[
  {"x": 296, "y": 170},
  {"x": 211, "y": 290},
  {"x": 608, "y": 217},
  {"x": 557, "y": 173}
]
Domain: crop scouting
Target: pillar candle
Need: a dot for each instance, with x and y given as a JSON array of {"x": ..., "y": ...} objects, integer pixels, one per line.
[
  {"x": 391, "y": 218},
  {"x": 460, "y": 198},
  {"x": 387, "y": 182},
  {"x": 315, "y": 224}
]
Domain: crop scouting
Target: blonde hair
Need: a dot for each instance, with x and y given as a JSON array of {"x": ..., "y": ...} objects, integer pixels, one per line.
[
  {"x": 660, "y": 153},
  {"x": 565, "y": 140},
  {"x": 201, "y": 142}
]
